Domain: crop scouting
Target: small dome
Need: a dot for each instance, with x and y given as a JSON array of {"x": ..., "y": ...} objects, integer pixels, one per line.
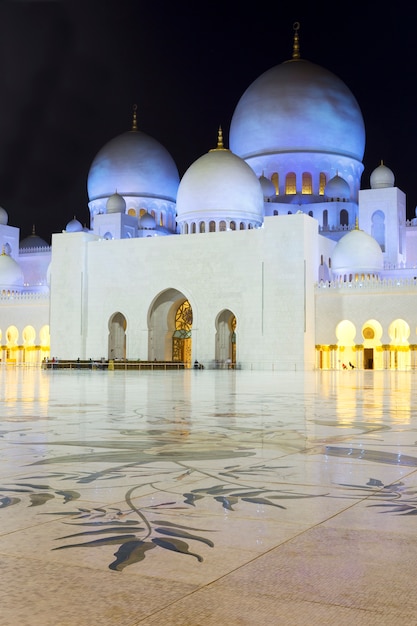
[
  {"x": 4, "y": 218},
  {"x": 268, "y": 188},
  {"x": 220, "y": 185},
  {"x": 382, "y": 177},
  {"x": 74, "y": 226},
  {"x": 147, "y": 221},
  {"x": 33, "y": 241},
  {"x": 116, "y": 204},
  {"x": 11, "y": 274},
  {"x": 337, "y": 188},
  {"x": 357, "y": 253}
]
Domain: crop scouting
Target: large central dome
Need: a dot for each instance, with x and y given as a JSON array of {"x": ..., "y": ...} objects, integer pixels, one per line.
[{"x": 297, "y": 106}]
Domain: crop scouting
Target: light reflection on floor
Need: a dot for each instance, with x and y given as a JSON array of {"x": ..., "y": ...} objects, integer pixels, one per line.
[{"x": 202, "y": 497}]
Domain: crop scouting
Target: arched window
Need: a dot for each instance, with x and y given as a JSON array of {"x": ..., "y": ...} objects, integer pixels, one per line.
[
  {"x": 322, "y": 183},
  {"x": 344, "y": 218},
  {"x": 275, "y": 181},
  {"x": 212, "y": 226},
  {"x": 307, "y": 183},
  {"x": 378, "y": 228},
  {"x": 290, "y": 183}
]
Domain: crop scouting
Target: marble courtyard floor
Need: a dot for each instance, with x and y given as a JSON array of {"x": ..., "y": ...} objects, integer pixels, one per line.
[{"x": 207, "y": 497}]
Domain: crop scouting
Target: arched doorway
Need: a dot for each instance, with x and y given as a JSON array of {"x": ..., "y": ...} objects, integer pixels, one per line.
[
  {"x": 373, "y": 356},
  {"x": 226, "y": 338},
  {"x": 117, "y": 337},
  {"x": 170, "y": 323},
  {"x": 181, "y": 339}
]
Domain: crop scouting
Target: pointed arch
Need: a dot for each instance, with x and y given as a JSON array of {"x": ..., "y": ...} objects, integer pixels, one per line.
[
  {"x": 170, "y": 320},
  {"x": 117, "y": 336},
  {"x": 225, "y": 350}
]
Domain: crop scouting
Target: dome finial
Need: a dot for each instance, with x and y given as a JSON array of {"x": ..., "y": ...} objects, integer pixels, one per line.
[
  {"x": 135, "y": 121},
  {"x": 357, "y": 223},
  {"x": 33, "y": 229},
  {"x": 296, "y": 44},
  {"x": 220, "y": 139},
  {"x": 220, "y": 145}
]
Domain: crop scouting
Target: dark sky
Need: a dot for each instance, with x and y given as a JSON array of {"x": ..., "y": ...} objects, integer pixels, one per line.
[{"x": 70, "y": 73}]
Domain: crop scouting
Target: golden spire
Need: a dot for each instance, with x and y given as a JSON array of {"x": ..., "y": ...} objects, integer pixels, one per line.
[
  {"x": 33, "y": 229},
  {"x": 135, "y": 121},
  {"x": 296, "y": 44},
  {"x": 357, "y": 223},
  {"x": 220, "y": 145}
]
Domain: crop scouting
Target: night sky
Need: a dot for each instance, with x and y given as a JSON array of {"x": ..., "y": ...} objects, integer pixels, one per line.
[{"x": 71, "y": 72}]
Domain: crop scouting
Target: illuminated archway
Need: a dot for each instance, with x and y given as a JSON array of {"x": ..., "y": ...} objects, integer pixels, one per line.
[
  {"x": 45, "y": 342},
  {"x": 181, "y": 338},
  {"x": 373, "y": 354},
  {"x": 345, "y": 333},
  {"x": 399, "y": 333},
  {"x": 12, "y": 336},
  {"x": 170, "y": 322},
  {"x": 29, "y": 348}
]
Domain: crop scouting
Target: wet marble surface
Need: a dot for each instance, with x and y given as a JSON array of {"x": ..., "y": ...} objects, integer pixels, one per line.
[{"x": 197, "y": 497}]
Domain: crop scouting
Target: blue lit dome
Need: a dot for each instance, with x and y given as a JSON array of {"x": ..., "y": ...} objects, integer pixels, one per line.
[
  {"x": 297, "y": 106},
  {"x": 147, "y": 221},
  {"x": 337, "y": 189},
  {"x": 74, "y": 226},
  {"x": 33, "y": 241},
  {"x": 134, "y": 164}
]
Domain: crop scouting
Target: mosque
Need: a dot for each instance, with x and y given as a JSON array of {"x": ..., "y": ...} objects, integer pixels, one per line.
[{"x": 267, "y": 255}]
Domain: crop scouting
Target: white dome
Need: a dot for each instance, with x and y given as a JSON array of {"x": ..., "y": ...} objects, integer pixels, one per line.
[
  {"x": 297, "y": 106},
  {"x": 116, "y": 204},
  {"x": 4, "y": 218},
  {"x": 337, "y": 188},
  {"x": 134, "y": 164},
  {"x": 357, "y": 253},
  {"x": 74, "y": 226},
  {"x": 220, "y": 185},
  {"x": 268, "y": 188},
  {"x": 11, "y": 274},
  {"x": 382, "y": 177}
]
